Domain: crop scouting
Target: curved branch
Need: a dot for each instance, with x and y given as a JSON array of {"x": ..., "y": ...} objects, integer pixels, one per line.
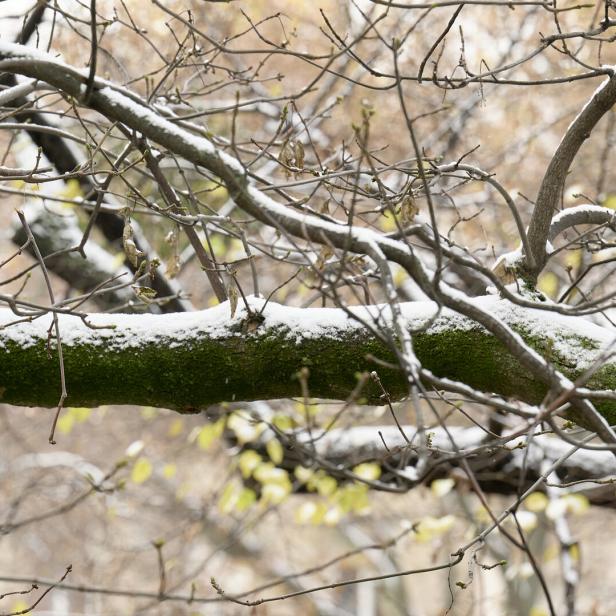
[
  {"x": 125, "y": 107},
  {"x": 553, "y": 183},
  {"x": 581, "y": 215}
]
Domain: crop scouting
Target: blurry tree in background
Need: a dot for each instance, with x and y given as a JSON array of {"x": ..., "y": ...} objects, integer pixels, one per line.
[{"x": 364, "y": 252}]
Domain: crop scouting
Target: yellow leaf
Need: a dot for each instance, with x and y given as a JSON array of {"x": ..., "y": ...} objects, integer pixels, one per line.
[
  {"x": 245, "y": 429},
  {"x": 229, "y": 497},
  {"x": 80, "y": 414},
  {"x": 482, "y": 516},
  {"x": 311, "y": 408},
  {"x": 303, "y": 474},
  {"x": 275, "y": 450},
  {"x": 440, "y": 487},
  {"x": 275, "y": 89},
  {"x": 333, "y": 516},
  {"x": 400, "y": 276},
  {"x": 65, "y": 423},
  {"x": 176, "y": 427},
  {"x": 246, "y": 499},
  {"x": 551, "y": 552},
  {"x": 536, "y": 502},
  {"x": 573, "y": 258},
  {"x": 148, "y": 412},
  {"x": 527, "y": 520},
  {"x": 325, "y": 485},
  {"x": 169, "y": 471},
  {"x": 209, "y": 433},
  {"x": 368, "y": 471},
  {"x": 577, "y": 504},
  {"x": 72, "y": 190},
  {"x": 19, "y": 606},
  {"x": 267, "y": 473},
  {"x": 548, "y": 284},
  {"x": 305, "y": 512},
  {"x": 283, "y": 422},
  {"x": 219, "y": 247},
  {"x": 610, "y": 201},
  {"x": 248, "y": 461},
  {"x": 142, "y": 470},
  {"x": 430, "y": 527},
  {"x": 387, "y": 222},
  {"x": 274, "y": 493},
  {"x": 353, "y": 497},
  {"x": 118, "y": 260}
]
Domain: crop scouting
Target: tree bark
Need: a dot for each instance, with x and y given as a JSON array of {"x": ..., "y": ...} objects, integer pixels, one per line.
[{"x": 187, "y": 362}]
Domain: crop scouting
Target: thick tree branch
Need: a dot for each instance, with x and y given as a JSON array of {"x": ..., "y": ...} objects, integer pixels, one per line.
[
  {"x": 57, "y": 235},
  {"x": 188, "y": 362},
  {"x": 499, "y": 465},
  {"x": 553, "y": 183},
  {"x": 581, "y": 215},
  {"x": 125, "y": 107}
]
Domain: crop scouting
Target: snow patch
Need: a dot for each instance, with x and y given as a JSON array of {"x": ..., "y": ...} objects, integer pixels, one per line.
[{"x": 120, "y": 331}]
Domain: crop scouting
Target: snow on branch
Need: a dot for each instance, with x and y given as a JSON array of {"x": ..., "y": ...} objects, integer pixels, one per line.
[
  {"x": 553, "y": 183},
  {"x": 191, "y": 360},
  {"x": 120, "y": 105},
  {"x": 498, "y": 464}
]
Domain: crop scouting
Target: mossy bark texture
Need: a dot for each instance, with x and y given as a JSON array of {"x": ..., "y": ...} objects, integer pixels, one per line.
[{"x": 196, "y": 371}]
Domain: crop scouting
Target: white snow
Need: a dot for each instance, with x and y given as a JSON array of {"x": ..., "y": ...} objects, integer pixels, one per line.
[
  {"x": 201, "y": 144},
  {"x": 298, "y": 324},
  {"x": 22, "y": 51}
]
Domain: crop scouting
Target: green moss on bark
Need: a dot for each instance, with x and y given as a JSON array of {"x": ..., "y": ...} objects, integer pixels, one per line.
[{"x": 264, "y": 365}]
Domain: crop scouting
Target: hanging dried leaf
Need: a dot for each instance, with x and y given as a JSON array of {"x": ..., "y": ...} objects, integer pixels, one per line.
[
  {"x": 173, "y": 262},
  {"x": 292, "y": 155},
  {"x": 145, "y": 294},
  {"x": 153, "y": 265},
  {"x": 132, "y": 252},
  {"x": 408, "y": 210},
  {"x": 233, "y": 297},
  {"x": 298, "y": 152},
  {"x": 173, "y": 265},
  {"x": 141, "y": 269},
  {"x": 324, "y": 254}
]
